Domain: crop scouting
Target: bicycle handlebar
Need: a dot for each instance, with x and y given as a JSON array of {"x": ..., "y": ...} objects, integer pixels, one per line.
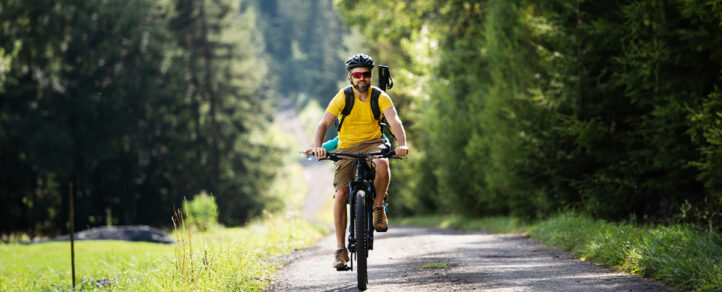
[{"x": 335, "y": 156}]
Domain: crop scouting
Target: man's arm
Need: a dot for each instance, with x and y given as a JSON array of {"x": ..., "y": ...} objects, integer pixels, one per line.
[
  {"x": 398, "y": 128},
  {"x": 321, "y": 129}
]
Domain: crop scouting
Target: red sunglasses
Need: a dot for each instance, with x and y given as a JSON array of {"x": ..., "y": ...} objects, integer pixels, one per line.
[{"x": 358, "y": 75}]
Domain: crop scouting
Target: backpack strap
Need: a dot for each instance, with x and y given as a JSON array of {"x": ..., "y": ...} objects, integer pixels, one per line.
[
  {"x": 383, "y": 124},
  {"x": 375, "y": 93},
  {"x": 348, "y": 105}
]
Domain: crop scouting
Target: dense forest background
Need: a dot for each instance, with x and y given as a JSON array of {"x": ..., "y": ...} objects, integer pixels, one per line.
[
  {"x": 139, "y": 104},
  {"x": 525, "y": 108},
  {"x": 522, "y": 108}
]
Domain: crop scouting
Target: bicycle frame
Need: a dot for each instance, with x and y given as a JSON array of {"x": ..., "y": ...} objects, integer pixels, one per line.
[{"x": 364, "y": 180}]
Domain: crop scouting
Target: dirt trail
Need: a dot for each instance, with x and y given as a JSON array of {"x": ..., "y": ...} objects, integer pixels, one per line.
[
  {"x": 318, "y": 176},
  {"x": 463, "y": 260},
  {"x": 469, "y": 260}
]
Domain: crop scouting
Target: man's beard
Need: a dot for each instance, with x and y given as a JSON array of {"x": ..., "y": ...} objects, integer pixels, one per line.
[{"x": 362, "y": 89}]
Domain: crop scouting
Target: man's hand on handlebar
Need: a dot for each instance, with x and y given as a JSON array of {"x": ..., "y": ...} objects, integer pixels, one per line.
[
  {"x": 317, "y": 152},
  {"x": 401, "y": 151}
]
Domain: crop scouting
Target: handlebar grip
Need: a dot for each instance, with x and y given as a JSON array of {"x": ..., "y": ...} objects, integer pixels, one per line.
[{"x": 330, "y": 156}]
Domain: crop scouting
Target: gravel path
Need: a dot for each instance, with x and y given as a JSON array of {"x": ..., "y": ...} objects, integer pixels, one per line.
[
  {"x": 462, "y": 260},
  {"x": 473, "y": 261}
]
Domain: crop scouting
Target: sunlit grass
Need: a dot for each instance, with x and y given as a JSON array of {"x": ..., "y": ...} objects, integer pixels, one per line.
[
  {"x": 490, "y": 224},
  {"x": 220, "y": 259},
  {"x": 223, "y": 259},
  {"x": 434, "y": 266},
  {"x": 235, "y": 258},
  {"x": 43, "y": 266},
  {"x": 680, "y": 256}
]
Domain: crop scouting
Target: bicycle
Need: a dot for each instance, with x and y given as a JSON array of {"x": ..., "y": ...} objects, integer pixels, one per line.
[{"x": 361, "y": 197}]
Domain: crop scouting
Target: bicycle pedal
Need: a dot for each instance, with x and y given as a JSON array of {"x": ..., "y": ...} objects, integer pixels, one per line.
[
  {"x": 343, "y": 269},
  {"x": 381, "y": 230}
]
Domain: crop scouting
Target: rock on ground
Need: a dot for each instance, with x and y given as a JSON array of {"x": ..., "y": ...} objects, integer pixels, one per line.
[{"x": 127, "y": 232}]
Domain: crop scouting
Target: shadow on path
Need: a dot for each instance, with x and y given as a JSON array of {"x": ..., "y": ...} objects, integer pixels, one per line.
[{"x": 468, "y": 261}]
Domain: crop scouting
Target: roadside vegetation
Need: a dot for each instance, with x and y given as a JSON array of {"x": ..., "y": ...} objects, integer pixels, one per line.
[
  {"x": 219, "y": 258},
  {"x": 523, "y": 108},
  {"x": 681, "y": 256},
  {"x": 512, "y": 108},
  {"x": 140, "y": 104},
  {"x": 519, "y": 109}
]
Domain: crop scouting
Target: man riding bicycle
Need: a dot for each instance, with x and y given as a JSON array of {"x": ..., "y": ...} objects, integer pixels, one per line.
[{"x": 359, "y": 132}]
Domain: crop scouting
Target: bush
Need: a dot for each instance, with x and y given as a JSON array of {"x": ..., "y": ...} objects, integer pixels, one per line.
[{"x": 202, "y": 211}]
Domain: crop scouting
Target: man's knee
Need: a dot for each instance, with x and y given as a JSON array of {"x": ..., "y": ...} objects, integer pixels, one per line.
[
  {"x": 342, "y": 195},
  {"x": 382, "y": 168}
]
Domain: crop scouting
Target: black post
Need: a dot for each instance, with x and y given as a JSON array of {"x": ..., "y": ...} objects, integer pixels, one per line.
[
  {"x": 72, "y": 233},
  {"x": 385, "y": 80}
]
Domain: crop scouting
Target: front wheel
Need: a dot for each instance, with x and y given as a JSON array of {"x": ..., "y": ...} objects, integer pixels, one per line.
[{"x": 361, "y": 239}]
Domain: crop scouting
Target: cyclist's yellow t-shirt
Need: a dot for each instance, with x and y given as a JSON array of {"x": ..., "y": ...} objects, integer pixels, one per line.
[{"x": 360, "y": 124}]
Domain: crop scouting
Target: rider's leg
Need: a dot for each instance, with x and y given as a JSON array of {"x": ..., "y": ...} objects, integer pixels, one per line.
[
  {"x": 381, "y": 182},
  {"x": 339, "y": 216}
]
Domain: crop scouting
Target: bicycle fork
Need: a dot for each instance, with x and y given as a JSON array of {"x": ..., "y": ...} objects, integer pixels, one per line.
[
  {"x": 359, "y": 183},
  {"x": 352, "y": 224},
  {"x": 369, "y": 220}
]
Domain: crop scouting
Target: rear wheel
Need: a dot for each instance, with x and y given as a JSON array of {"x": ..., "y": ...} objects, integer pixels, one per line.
[{"x": 361, "y": 239}]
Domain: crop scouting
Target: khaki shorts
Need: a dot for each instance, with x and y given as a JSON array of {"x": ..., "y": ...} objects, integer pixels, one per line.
[{"x": 346, "y": 169}]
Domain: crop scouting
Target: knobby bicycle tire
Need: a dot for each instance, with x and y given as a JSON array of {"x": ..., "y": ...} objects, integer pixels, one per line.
[{"x": 361, "y": 239}]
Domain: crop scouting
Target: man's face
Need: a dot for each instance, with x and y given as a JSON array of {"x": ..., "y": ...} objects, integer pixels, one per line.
[{"x": 360, "y": 78}]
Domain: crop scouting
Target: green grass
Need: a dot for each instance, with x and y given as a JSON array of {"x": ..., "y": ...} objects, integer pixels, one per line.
[
  {"x": 434, "y": 266},
  {"x": 46, "y": 265},
  {"x": 221, "y": 259},
  {"x": 489, "y": 224},
  {"x": 680, "y": 256}
]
